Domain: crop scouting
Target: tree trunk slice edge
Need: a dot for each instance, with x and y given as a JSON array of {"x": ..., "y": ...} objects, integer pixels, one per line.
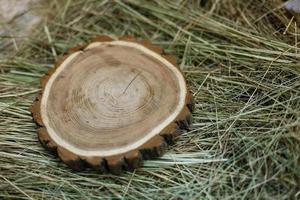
[{"x": 130, "y": 156}]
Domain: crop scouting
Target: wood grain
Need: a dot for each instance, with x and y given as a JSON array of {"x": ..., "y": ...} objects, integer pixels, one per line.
[{"x": 112, "y": 103}]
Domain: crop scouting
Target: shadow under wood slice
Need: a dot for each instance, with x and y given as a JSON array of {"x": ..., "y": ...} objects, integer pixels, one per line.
[
  {"x": 184, "y": 119},
  {"x": 170, "y": 133},
  {"x": 71, "y": 159},
  {"x": 190, "y": 102},
  {"x": 133, "y": 160},
  {"x": 96, "y": 163},
  {"x": 153, "y": 148},
  {"x": 116, "y": 164}
]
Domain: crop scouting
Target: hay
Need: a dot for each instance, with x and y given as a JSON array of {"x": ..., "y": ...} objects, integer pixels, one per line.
[{"x": 241, "y": 59}]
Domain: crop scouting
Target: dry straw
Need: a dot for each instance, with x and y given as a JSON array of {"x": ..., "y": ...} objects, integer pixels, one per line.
[{"x": 241, "y": 59}]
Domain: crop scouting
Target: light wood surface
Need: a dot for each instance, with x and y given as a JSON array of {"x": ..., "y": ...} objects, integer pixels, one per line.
[{"x": 112, "y": 103}]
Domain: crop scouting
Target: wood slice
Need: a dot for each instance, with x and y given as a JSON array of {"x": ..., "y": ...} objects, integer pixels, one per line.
[{"x": 110, "y": 104}]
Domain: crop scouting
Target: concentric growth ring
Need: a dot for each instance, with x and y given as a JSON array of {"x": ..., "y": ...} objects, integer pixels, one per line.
[{"x": 112, "y": 103}]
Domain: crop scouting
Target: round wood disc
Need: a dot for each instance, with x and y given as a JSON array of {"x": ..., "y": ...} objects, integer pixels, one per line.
[{"x": 112, "y": 103}]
